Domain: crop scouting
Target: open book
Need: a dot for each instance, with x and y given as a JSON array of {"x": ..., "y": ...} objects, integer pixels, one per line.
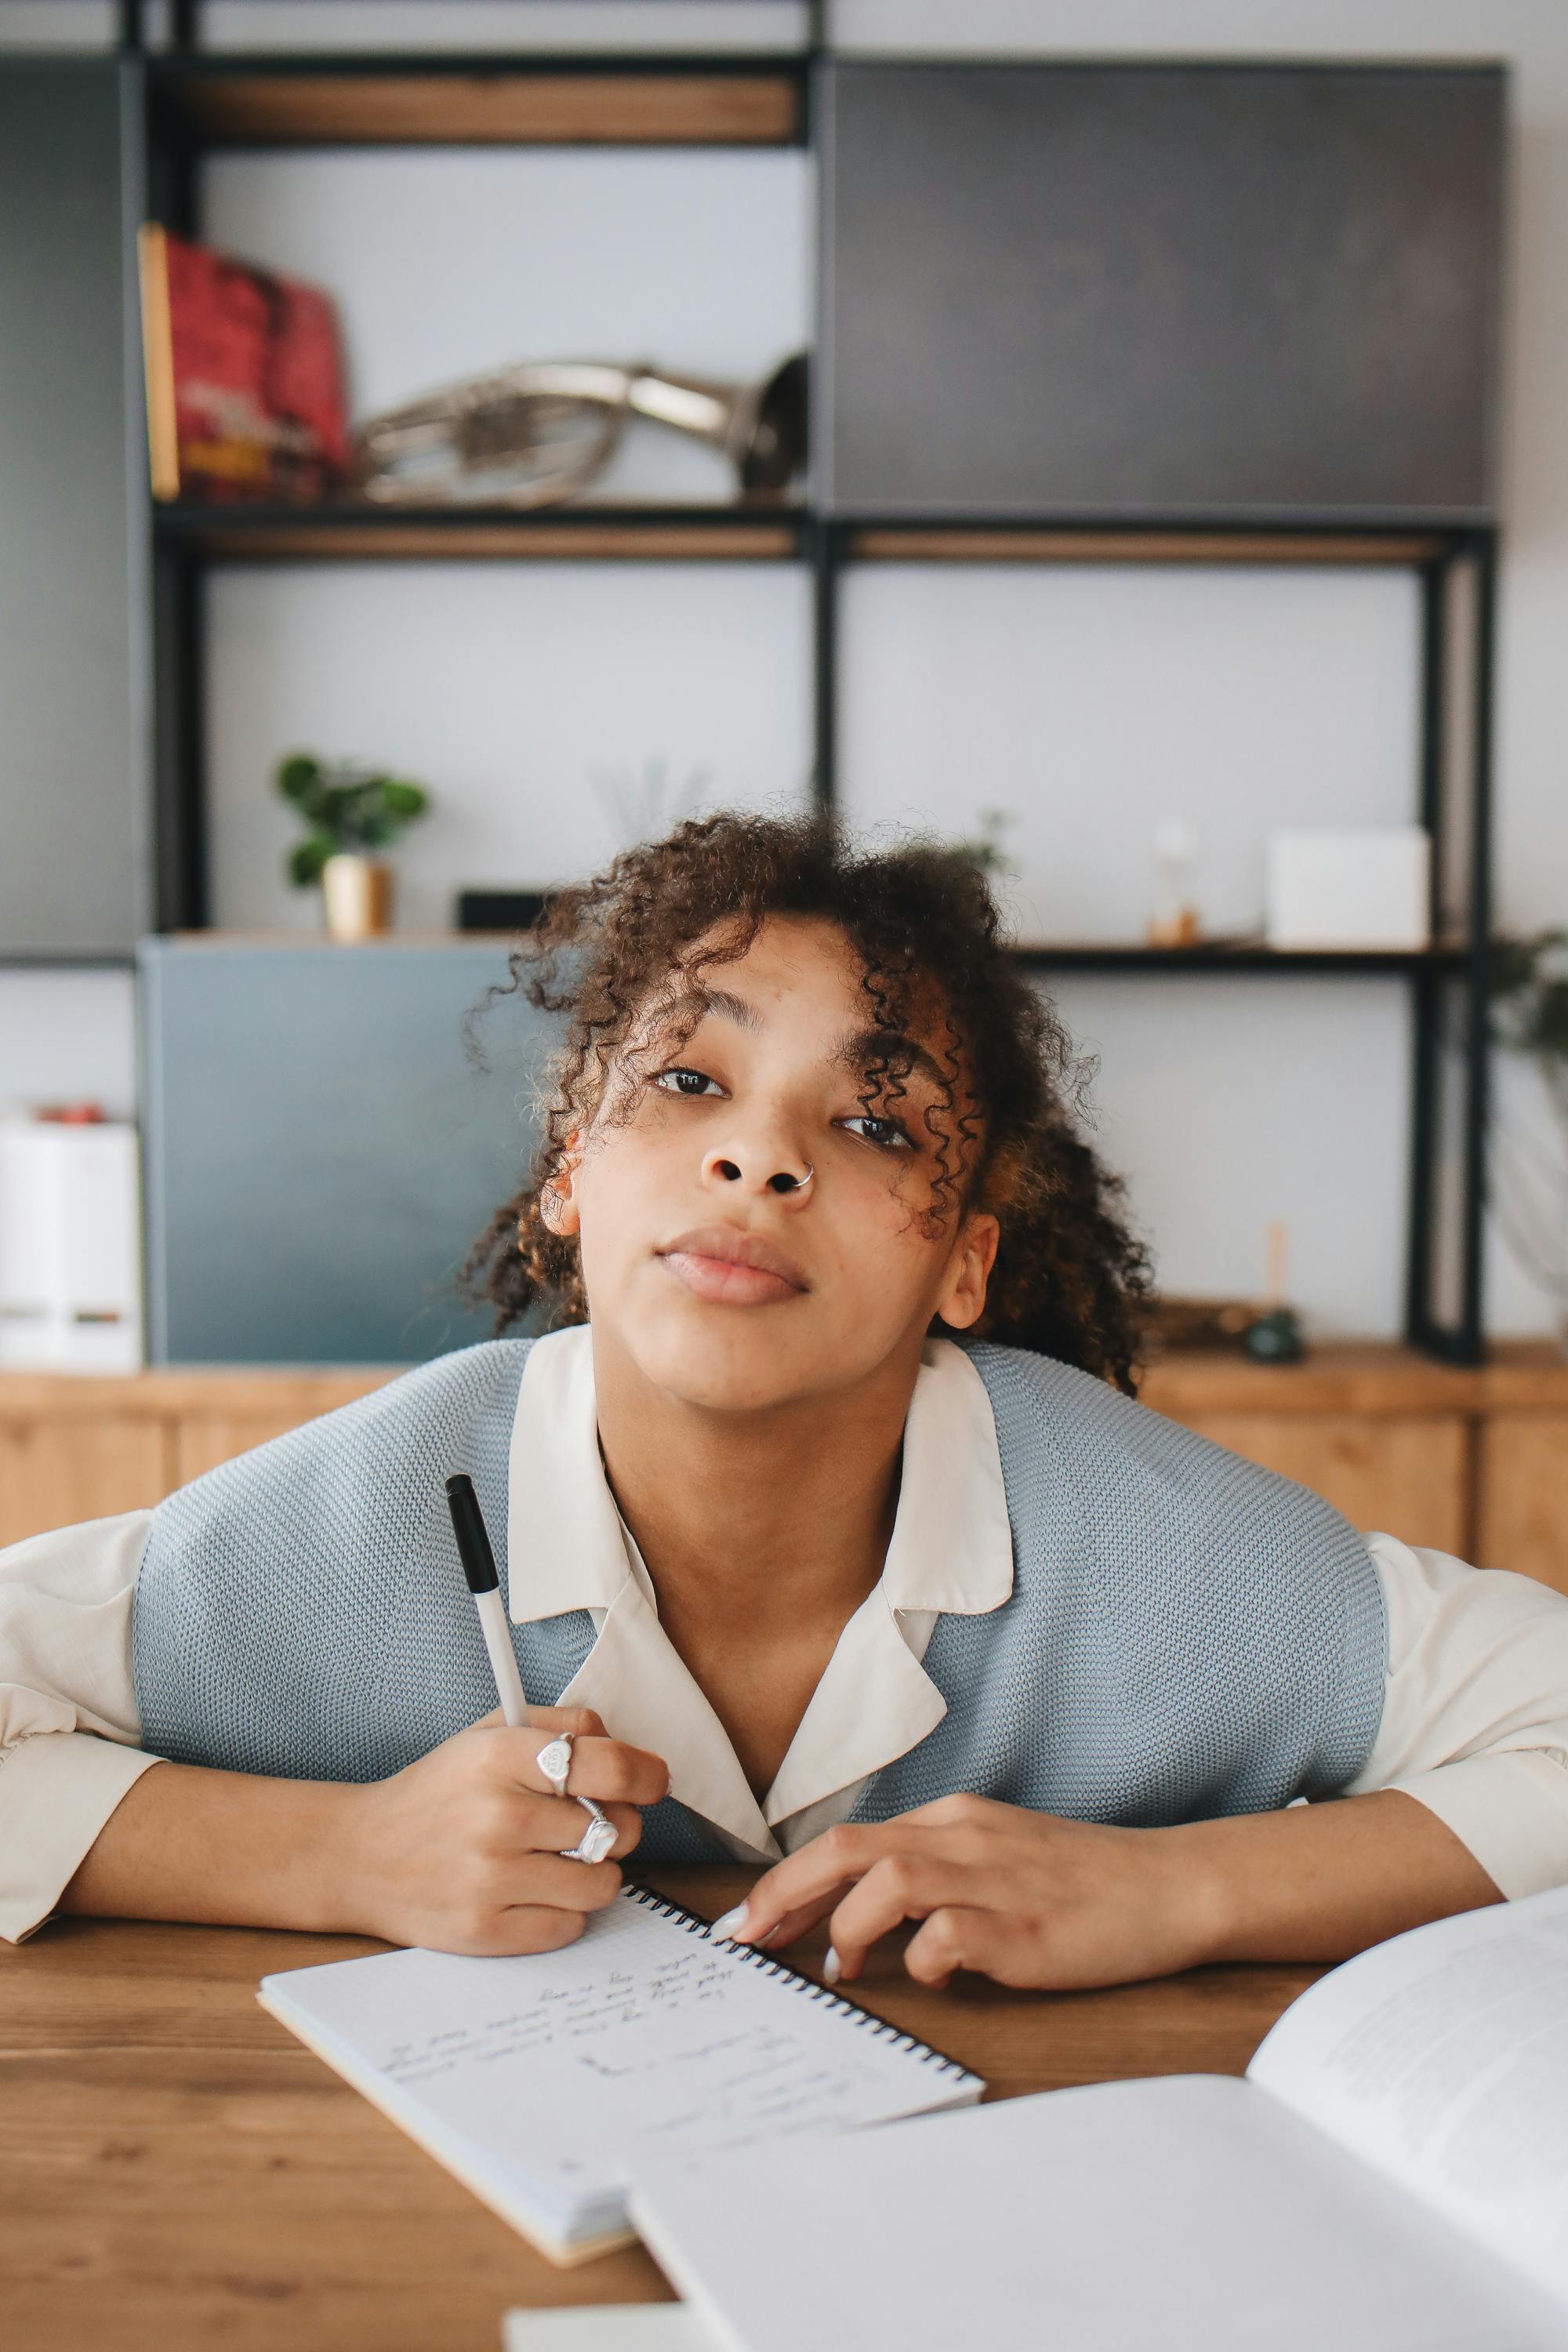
[
  {"x": 1392, "y": 2176},
  {"x": 543, "y": 2082}
]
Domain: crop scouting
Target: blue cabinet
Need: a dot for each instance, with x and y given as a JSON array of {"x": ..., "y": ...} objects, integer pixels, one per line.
[{"x": 320, "y": 1148}]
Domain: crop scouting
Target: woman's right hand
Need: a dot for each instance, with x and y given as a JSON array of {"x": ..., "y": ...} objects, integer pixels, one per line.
[{"x": 464, "y": 1851}]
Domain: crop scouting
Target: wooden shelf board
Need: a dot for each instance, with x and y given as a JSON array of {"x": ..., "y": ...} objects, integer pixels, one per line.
[
  {"x": 353, "y": 529},
  {"x": 385, "y": 534},
  {"x": 503, "y": 104},
  {"x": 956, "y": 543},
  {"x": 1131, "y": 959},
  {"x": 68, "y": 958},
  {"x": 213, "y": 939},
  {"x": 1250, "y": 957}
]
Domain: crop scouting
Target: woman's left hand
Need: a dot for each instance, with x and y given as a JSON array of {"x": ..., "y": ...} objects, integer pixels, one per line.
[{"x": 1028, "y": 1898}]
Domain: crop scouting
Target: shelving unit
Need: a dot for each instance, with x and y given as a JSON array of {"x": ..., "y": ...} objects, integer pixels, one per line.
[
  {"x": 192, "y": 102},
  {"x": 1245, "y": 955}
]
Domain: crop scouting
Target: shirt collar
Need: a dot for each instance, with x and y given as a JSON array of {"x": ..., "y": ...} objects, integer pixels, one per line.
[
  {"x": 563, "y": 1532},
  {"x": 952, "y": 1547},
  {"x": 568, "y": 1548}
]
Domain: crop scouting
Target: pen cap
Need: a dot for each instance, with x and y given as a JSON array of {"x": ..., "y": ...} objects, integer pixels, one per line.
[{"x": 473, "y": 1539}]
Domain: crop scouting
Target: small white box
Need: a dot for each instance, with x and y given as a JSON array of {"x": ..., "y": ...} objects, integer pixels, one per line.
[
  {"x": 1369, "y": 888},
  {"x": 70, "y": 1250}
]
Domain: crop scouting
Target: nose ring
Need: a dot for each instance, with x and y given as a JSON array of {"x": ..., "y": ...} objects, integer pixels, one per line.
[{"x": 795, "y": 1183}]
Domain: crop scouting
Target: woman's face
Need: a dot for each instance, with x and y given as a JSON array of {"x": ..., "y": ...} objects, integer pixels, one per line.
[{"x": 727, "y": 1281}]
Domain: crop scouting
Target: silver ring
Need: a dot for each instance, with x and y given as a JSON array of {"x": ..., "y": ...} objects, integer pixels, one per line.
[
  {"x": 802, "y": 1181},
  {"x": 554, "y": 1761},
  {"x": 597, "y": 1840}
]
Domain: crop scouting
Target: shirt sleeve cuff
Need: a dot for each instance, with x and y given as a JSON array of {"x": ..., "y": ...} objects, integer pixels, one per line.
[
  {"x": 57, "y": 1790},
  {"x": 1512, "y": 1812}
]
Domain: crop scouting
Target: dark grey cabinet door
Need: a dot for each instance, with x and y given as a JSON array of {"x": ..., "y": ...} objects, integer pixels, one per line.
[
  {"x": 1232, "y": 291},
  {"x": 71, "y": 759}
]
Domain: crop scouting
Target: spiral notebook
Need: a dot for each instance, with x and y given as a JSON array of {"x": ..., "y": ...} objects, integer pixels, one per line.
[{"x": 545, "y": 2083}]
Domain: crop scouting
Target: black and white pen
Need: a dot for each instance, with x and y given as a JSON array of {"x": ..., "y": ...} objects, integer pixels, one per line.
[{"x": 480, "y": 1569}]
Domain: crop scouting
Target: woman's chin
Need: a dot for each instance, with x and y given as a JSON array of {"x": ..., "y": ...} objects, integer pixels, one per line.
[{"x": 733, "y": 1359}]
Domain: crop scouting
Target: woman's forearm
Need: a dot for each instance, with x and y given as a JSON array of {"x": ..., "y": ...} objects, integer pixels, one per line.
[
  {"x": 468, "y": 1849},
  {"x": 229, "y": 1849},
  {"x": 1320, "y": 1882},
  {"x": 1034, "y": 1899}
]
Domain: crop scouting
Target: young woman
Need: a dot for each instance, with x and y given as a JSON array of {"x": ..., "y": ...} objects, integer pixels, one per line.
[{"x": 829, "y": 1530}]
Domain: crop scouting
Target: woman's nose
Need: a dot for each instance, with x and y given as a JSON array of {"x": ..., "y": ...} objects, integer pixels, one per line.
[{"x": 760, "y": 1167}]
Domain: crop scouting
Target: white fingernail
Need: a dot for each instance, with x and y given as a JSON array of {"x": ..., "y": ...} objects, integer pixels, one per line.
[
  {"x": 831, "y": 1968},
  {"x": 733, "y": 1926}
]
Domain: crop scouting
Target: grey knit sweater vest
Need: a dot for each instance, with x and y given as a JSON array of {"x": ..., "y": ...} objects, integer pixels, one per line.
[{"x": 1188, "y": 1635}]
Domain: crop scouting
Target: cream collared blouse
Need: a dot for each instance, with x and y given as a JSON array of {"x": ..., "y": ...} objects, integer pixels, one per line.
[{"x": 1475, "y": 1718}]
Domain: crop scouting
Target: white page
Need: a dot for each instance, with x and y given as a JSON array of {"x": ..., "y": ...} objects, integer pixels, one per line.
[
  {"x": 646, "y": 2042},
  {"x": 1186, "y": 2215},
  {"x": 608, "y": 2327},
  {"x": 1442, "y": 2057}
]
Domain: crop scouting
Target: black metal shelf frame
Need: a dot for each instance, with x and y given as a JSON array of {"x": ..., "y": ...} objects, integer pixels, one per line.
[{"x": 1455, "y": 560}]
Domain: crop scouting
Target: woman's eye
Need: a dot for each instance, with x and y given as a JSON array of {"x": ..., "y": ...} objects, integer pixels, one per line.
[
  {"x": 686, "y": 1082},
  {"x": 885, "y": 1131}
]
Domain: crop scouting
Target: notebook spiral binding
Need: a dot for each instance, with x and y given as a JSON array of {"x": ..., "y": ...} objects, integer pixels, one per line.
[{"x": 879, "y": 2026}]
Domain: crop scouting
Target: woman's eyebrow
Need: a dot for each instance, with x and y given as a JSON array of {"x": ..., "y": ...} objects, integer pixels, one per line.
[
  {"x": 891, "y": 1047},
  {"x": 698, "y": 1002}
]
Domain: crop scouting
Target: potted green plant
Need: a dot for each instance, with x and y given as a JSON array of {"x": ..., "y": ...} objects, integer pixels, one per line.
[
  {"x": 1530, "y": 1178},
  {"x": 350, "y": 813}
]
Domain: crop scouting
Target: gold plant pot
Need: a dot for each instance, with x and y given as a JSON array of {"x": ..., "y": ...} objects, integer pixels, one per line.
[{"x": 356, "y": 897}]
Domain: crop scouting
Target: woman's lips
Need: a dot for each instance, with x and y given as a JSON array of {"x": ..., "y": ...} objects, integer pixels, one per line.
[{"x": 730, "y": 1268}]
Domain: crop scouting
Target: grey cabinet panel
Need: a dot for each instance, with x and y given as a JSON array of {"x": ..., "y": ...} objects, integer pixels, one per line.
[
  {"x": 321, "y": 1151},
  {"x": 70, "y": 764},
  {"x": 1163, "y": 289}
]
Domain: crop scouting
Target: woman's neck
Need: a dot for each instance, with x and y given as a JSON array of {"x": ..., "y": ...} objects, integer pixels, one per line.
[
  {"x": 758, "y": 1513},
  {"x": 762, "y": 1532}
]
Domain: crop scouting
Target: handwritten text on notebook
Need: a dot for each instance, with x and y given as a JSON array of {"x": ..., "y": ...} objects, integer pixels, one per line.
[
  {"x": 750, "y": 2079},
  {"x": 646, "y": 2037}
]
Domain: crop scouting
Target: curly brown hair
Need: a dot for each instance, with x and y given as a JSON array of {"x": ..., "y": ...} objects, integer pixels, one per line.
[{"x": 1071, "y": 1280}]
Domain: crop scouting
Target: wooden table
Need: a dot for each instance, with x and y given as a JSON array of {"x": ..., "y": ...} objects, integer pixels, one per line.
[{"x": 176, "y": 2170}]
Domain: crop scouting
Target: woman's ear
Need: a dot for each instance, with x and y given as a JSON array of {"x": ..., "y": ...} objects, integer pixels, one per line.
[
  {"x": 962, "y": 1300},
  {"x": 557, "y": 1193}
]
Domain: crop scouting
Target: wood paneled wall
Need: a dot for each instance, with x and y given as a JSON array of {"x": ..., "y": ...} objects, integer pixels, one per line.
[{"x": 1472, "y": 1462}]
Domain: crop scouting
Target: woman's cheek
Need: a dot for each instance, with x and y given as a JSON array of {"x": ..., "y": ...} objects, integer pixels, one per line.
[{"x": 884, "y": 1237}]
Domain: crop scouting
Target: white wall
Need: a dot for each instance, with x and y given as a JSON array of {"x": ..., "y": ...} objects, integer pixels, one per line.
[
  {"x": 558, "y": 710},
  {"x": 1096, "y": 704},
  {"x": 448, "y": 262},
  {"x": 1230, "y": 1103},
  {"x": 493, "y": 24},
  {"x": 67, "y": 1036}
]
